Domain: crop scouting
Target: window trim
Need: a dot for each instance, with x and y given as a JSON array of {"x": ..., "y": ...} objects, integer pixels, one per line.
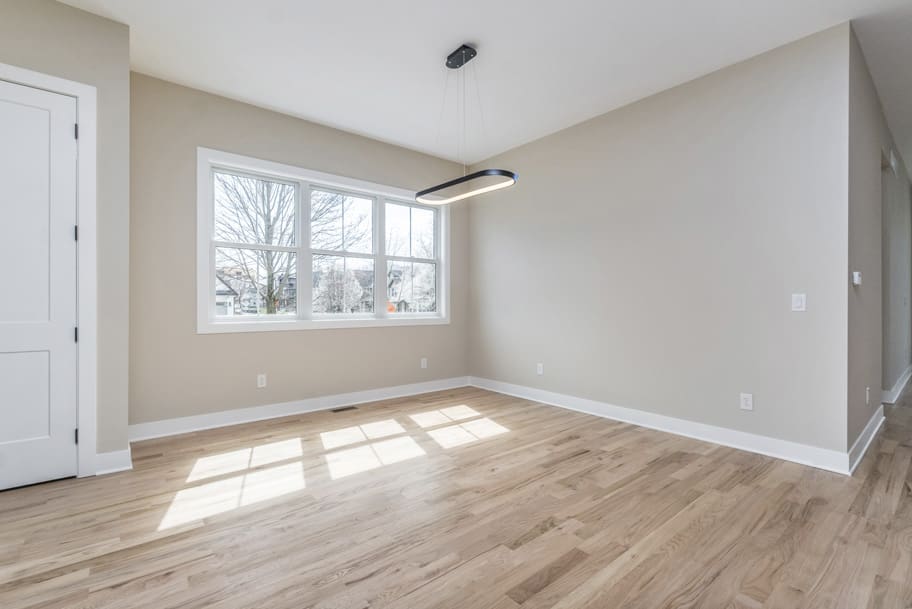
[{"x": 209, "y": 160}]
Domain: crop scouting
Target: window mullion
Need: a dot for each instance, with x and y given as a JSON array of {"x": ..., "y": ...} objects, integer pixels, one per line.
[
  {"x": 305, "y": 256},
  {"x": 380, "y": 295},
  {"x": 255, "y": 246}
]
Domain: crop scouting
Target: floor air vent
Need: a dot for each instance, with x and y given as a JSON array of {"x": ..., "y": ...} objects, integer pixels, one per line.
[{"x": 344, "y": 408}]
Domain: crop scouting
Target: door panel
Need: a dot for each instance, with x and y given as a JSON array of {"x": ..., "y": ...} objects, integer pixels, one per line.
[
  {"x": 37, "y": 285},
  {"x": 25, "y": 405},
  {"x": 24, "y": 230}
]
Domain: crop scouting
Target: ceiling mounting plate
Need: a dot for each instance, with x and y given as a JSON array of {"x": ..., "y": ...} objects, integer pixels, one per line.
[{"x": 461, "y": 56}]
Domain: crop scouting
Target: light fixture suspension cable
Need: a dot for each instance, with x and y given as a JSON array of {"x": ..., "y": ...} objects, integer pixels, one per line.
[
  {"x": 479, "y": 182},
  {"x": 465, "y": 142}
]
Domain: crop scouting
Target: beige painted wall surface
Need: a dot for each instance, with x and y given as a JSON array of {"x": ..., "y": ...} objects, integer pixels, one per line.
[
  {"x": 897, "y": 275},
  {"x": 52, "y": 38},
  {"x": 647, "y": 257},
  {"x": 869, "y": 136},
  {"x": 175, "y": 372}
]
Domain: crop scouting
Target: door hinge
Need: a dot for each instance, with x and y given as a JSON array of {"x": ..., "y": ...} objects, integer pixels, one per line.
[
  {"x": 76, "y": 435},
  {"x": 76, "y": 335},
  {"x": 76, "y": 130},
  {"x": 76, "y": 233}
]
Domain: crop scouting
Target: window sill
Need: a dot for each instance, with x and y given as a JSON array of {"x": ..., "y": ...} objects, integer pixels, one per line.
[{"x": 291, "y": 325}]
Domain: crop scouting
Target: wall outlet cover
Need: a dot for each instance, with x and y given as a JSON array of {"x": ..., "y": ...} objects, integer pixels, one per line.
[
  {"x": 799, "y": 302},
  {"x": 747, "y": 401}
]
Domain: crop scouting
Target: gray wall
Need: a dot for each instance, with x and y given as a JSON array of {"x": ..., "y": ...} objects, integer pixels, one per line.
[
  {"x": 52, "y": 38},
  {"x": 176, "y": 372},
  {"x": 879, "y": 247},
  {"x": 897, "y": 273},
  {"x": 865, "y": 325},
  {"x": 647, "y": 256}
]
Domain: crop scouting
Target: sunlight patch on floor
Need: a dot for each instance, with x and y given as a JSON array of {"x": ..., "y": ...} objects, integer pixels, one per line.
[
  {"x": 360, "y": 433},
  {"x": 371, "y": 456},
  {"x": 466, "y": 433},
  {"x": 245, "y": 458},
  {"x": 219, "y": 496},
  {"x": 444, "y": 416},
  {"x": 241, "y": 478}
]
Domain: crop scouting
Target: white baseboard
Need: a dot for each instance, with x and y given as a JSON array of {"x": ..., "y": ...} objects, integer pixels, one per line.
[
  {"x": 170, "y": 427},
  {"x": 822, "y": 458},
  {"x": 891, "y": 395},
  {"x": 860, "y": 447},
  {"x": 116, "y": 461}
]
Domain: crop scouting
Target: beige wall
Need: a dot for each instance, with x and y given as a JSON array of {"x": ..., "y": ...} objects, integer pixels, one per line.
[
  {"x": 52, "y": 38},
  {"x": 897, "y": 275},
  {"x": 647, "y": 256},
  {"x": 176, "y": 372},
  {"x": 879, "y": 322}
]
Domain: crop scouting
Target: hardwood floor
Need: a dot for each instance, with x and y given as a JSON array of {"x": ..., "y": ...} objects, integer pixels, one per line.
[{"x": 466, "y": 499}]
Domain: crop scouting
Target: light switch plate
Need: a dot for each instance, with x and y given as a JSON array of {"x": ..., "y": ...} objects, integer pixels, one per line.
[
  {"x": 747, "y": 401},
  {"x": 799, "y": 302}
]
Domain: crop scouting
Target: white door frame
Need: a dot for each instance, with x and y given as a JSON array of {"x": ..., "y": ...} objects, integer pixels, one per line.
[{"x": 86, "y": 269}]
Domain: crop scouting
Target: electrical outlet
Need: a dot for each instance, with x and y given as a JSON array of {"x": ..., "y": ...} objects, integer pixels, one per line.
[
  {"x": 799, "y": 302},
  {"x": 539, "y": 369},
  {"x": 747, "y": 401},
  {"x": 424, "y": 362},
  {"x": 261, "y": 380}
]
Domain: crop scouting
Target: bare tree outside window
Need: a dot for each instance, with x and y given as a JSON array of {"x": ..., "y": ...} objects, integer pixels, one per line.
[
  {"x": 343, "y": 224},
  {"x": 254, "y": 212}
]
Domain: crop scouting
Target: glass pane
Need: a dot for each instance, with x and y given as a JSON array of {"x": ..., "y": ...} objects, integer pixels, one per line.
[
  {"x": 422, "y": 233},
  {"x": 399, "y": 286},
  {"x": 397, "y": 229},
  {"x": 411, "y": 287},
  {"x": 254, "y": 282},
  {"x": 359, "y": 287},
  {"x": 253, "y": 210},
  {"x": 343, "y": 285},
  {"x": 358, "y": 227},
  {"x": 341, "y": 222},
  {"x": 326, "y": 210},
  {"x": 424, "y": 287}
]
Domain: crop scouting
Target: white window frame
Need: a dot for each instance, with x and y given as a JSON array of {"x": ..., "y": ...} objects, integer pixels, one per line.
[{"x": 209, "y": 160}]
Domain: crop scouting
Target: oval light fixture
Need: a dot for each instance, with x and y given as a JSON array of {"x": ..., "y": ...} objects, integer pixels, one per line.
[
  {"x": 473, "y": 184},
  {"x": 502, "y": 178}
]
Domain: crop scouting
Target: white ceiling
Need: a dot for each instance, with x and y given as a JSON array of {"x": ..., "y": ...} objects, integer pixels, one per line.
[{"x": 376, "y": 67}]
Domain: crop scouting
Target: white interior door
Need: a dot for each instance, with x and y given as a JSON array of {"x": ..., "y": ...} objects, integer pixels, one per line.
[{"x": 37, "y": 285}]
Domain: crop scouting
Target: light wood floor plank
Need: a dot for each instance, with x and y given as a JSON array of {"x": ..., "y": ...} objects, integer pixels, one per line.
[{"x": 468, "y": 499}]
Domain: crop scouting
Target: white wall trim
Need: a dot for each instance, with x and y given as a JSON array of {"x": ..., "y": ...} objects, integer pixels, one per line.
[
  {"x": 822, "y": 458},
  {"x": 891, "y": 395},
  {"x": 170, "y": 427},
  {"x": 87, "y": 280},
  {"x": 861, "y": 445},
  {"x": 116, "y": 461}
]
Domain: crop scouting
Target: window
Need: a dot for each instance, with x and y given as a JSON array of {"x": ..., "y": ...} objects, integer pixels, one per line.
[
  {"x": 284, "y": 248},
  {"x": 411, "y": 275}
]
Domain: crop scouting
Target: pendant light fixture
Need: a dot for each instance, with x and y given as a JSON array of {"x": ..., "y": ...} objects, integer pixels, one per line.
[{"x": 479, "y": 182}]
